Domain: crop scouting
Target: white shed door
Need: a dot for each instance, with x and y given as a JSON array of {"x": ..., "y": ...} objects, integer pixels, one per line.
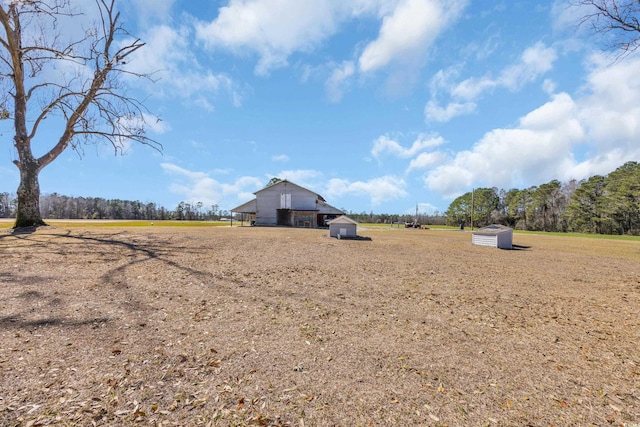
[{"x": 285, "y": 200}]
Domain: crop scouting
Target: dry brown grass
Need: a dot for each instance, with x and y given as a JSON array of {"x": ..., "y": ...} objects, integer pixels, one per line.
[{"x": 270, "y": 326}]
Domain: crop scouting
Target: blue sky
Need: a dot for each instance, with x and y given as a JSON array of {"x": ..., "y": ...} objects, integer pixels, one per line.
[{"x": 378, "y": 105}]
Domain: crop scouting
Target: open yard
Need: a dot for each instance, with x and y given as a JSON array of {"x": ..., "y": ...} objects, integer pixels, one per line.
[{"x": 272, "y": 326}]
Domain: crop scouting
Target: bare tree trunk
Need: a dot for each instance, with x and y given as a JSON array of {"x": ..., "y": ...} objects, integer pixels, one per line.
[{"x": 28, "y": 214}]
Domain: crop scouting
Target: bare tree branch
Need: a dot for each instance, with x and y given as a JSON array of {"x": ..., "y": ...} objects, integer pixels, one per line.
[
  {"x": 616, "y": 21},
  {"x": 87, "y": 95}
]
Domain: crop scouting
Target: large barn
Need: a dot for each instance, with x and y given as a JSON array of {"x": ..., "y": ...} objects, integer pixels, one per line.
[{"x": 287, "y": 204}]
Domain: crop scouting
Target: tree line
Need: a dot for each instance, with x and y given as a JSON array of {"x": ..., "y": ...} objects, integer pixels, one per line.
[
  {"x": 601, "y": 204},
  {"x": 57, "y": 206},
  {"x": 384, "y": 218}
]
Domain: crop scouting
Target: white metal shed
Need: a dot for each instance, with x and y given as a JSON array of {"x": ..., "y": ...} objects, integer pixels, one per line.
[
  {"x": 495, "y": 235},
  {"x": 342, "y": 226}
]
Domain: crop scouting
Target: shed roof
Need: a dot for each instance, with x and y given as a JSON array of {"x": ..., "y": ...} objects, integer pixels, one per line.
[
  {"x": 493, "y": 229},
  {"x": 342, "y": 219},
  {"x": 249, "y": 207}
]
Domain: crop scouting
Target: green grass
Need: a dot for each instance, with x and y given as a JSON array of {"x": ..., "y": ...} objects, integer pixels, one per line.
[
  {"x": 395, "y": 226},
  {"x": 583, "y": 235},
  {"x": 540, "y": 233}
]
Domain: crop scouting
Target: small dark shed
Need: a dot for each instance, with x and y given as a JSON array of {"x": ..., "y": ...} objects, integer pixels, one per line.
[{"x": 342, "y": 226}]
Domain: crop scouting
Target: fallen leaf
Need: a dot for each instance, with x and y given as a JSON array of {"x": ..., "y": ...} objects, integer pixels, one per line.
[{"x": 198, "y": 402}]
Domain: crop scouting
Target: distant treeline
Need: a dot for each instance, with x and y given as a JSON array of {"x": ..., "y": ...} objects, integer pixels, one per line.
[
  {"x": 56, "y": 206},
  {"x": 601, "y": 204},
  {"x": 421, "y": 218}
]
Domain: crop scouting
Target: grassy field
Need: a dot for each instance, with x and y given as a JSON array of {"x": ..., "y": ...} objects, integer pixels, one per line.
[
  {"x": 71, "y": 223},
  {"x": 6, "y": 223}
]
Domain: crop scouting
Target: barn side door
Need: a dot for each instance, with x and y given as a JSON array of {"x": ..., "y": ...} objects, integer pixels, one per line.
[
  {"x": 285, "y": 200},
  {"x": 284, "y": 213}
]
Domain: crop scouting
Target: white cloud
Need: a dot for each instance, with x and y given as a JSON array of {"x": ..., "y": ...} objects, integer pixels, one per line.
[
  {"x": 169, "y": 58},
  {"x": 566, "y": 16},
  {"x": 338, "y": 81},
  {"x": 433, "y": 112},
  {"x": 534, "y": 62},
  {"x": 611, "y": 109},
  {"x": 165, "y": 48},
  {"x": 280, "y": 158},
  {"x": 241, "y": 186},
  {"x": 549, "y": 86},
  {"x": 409, "y": 31},
  {"x": 379, "y": 190},
  {"x": 611, "y": 115},
  {"x": 194, "y": 186},
  {"x": 274, "y": 29},
  {"x": 147, "y": 11},
  {"x": 426, "y": 160},
  {"x": 386, "y": 145},
  {"x": 156, "y": 125},
  {"x": 472, "y": 88}
]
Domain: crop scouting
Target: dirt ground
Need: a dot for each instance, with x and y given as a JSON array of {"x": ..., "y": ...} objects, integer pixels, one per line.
[{"x": 271, "y": 326}]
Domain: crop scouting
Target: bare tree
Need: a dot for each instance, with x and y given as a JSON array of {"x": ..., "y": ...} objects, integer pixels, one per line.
[
  {"x": 618, "y": 20},
  {"x": 48, "y": 74}
]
